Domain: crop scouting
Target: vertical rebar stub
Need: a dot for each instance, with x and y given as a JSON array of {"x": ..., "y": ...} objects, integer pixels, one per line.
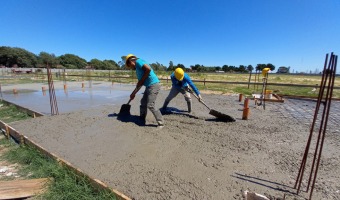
[
  {"x": 245, "y": 114},
  {"x": 240, "y": 97}
]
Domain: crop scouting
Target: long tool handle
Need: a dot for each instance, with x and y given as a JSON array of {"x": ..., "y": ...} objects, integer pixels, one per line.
[
  {"x": 191, "y": 92},
  {"x": 136, "y": 89}
]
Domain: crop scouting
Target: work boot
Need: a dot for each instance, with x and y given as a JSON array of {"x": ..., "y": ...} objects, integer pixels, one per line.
[
  {"x": 142, "y": 118},
  {"x": 141, "y": 121},
  {"x": 189, "y": 106},
  {"x": 160, "y": 124},
  {"x": 165, "y": 105},
  {"x": 163, "y": 110}
]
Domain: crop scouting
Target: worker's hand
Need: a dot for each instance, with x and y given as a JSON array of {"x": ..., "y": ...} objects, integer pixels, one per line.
[
  {"x": 132, "y": 95},
  {"x": 200, "y": 99}
]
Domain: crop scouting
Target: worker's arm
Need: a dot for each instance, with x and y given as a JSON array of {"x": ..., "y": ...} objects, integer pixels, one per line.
[
  {"x": 146, "y": 68},
  {"x": 193, "y": 86}
]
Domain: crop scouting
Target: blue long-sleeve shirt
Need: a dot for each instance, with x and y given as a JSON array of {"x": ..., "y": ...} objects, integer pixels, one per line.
[{"x": 184, "y": 83}]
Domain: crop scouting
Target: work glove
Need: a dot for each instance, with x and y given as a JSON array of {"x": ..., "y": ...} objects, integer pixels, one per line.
[{"x": 200, "y": 99}]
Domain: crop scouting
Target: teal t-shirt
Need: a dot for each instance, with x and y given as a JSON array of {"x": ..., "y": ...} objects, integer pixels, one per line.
[{"x": 152, "y": 78}]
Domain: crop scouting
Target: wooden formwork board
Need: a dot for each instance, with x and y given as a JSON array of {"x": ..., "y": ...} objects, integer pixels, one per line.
[
  {"x": 18, "y": 189},
  {"x": 275, "y": 99},
  {"x": 23, "y": 109},
  {"x": 97, "y": 184},
  {"x": 306, "y": 97}
]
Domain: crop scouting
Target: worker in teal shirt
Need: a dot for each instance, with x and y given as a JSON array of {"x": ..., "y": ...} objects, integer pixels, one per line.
[
  {"x": 147, "y": 77},
  {"x": 180, "y": 82}
]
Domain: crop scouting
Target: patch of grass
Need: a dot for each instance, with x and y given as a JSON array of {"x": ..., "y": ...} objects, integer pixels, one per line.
[
  {"x": 9, "y": 113},
  {"x": 65, "y": 183},
  {"x": 244, "y": 90},
  {"x": 277, "y": 78}
]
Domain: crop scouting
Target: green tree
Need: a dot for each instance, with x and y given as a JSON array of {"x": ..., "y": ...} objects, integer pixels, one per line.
[
  {"x": 171, "y": 66},
  {"x": 122, "y": 63},
  {"x": 271, "y": 66},
  {"x": 232, "y": 68},
  {"x": 198, "y": 68},
  {"x": 242, "y": 68},
  {"x": 250, "y": 68},
  {"x": 180, "y": 66},
  {"x": 157, "y": 66},
  {"x": 260, "y": 67},
  {"x": 110, "y": 64},
  {"x": 96, "y": 64},
  {"x": 70, "y": 59},
  {"x": 10, "y": 57},
  {"x": 47, "y": 60},
  {"x": 225, "y": 68}
]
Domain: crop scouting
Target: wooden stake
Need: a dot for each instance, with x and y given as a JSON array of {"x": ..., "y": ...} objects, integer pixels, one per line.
[
  {"x": 22, "y": 141},
  {"x": 7, "y": 132}
]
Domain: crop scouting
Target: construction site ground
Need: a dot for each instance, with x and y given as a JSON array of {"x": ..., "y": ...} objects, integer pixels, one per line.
[{"x": 194, "y": 156}]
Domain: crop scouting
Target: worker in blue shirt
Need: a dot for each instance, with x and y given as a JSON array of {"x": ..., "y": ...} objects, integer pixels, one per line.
[
  {"x": 180, "y": 82},
  {"x": 147, "y": 77}
]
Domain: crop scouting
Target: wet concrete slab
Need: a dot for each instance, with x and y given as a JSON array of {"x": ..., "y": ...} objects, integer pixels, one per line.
[
  {"x": 193, "y": 156},
  {"x": 74, "y": 98}
]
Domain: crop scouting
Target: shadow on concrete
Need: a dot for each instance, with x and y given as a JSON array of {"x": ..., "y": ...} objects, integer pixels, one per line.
[
  {"x": 176, "y": 111},
  {"x": 266, "y": 183},
  {"x": 215, "y": 119},
  {"x": 130, "y": 119}
]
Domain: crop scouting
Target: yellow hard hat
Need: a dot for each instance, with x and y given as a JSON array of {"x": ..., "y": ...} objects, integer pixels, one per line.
[
  {"x": 179, "y": 74},
  {"x": 265, "y": 71},
  {"x": 127, "y": 57}
]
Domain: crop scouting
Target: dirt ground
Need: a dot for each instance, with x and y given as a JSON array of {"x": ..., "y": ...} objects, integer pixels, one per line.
[{"x": 194, "y": 156}]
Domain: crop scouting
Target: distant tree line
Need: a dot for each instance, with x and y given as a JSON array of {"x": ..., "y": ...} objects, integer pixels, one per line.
[{"x": 19, "y": 57}]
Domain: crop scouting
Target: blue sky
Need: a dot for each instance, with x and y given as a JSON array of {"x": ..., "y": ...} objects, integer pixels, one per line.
[{"x": 295, "y": 33}]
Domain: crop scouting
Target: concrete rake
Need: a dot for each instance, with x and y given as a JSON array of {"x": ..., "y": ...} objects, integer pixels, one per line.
[{"x": 217, "y": 114}]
